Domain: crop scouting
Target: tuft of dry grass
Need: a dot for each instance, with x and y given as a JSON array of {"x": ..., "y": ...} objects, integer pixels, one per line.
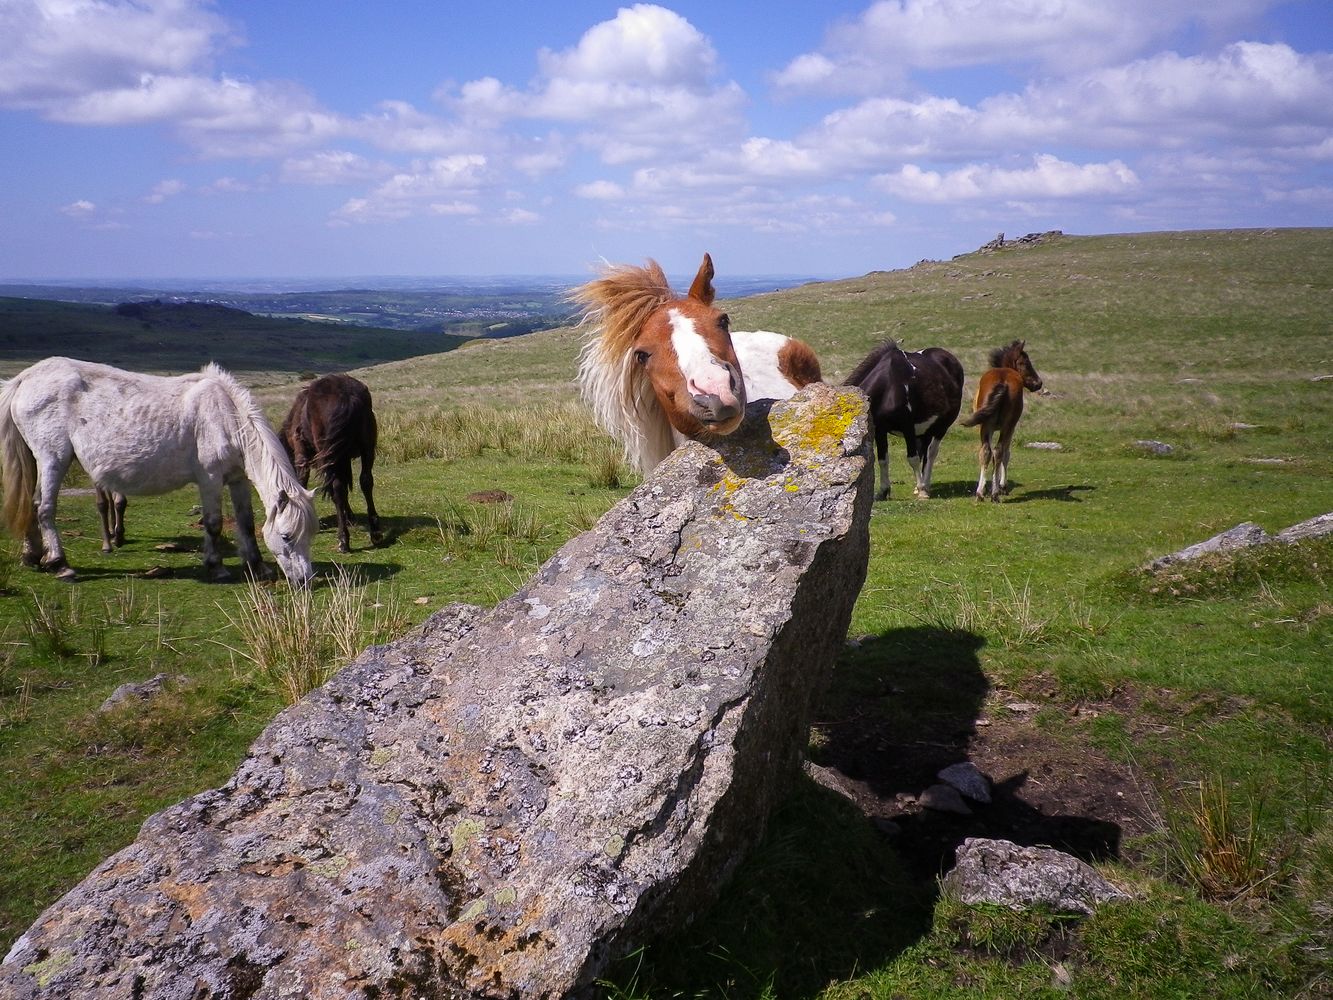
[
  {"x": 297, "y": 639},
  {"x": 1219, "y": 847}
]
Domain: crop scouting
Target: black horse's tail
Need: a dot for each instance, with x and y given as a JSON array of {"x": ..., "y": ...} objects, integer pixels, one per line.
[
  {"x": 341, "y": 438},
  {"x": 995, "y": 399}
]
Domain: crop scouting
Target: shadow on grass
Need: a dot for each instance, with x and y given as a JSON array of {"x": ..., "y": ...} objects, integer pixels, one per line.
[
  {"x": 904, "y": 706},
  {"x": 1063, "y": 493},
  {"x": 821, "y": 898},
  {"x": 843, "y": 883},
  {"x": 393, "y": 528}
]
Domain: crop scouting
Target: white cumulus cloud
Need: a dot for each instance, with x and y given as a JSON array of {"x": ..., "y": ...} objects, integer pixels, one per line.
[
  {"x": 1048, "y": 177},
  {"x": 876, "y": 49}
]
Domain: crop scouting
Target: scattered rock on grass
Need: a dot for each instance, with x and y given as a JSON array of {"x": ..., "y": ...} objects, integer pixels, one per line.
[
  {"x": 968, "y": 779},
  {"x": 944, "y": 798},
  {"x": 141, "y": 690},
  {"x": 1246, "y": 535},
  {"x": 1021, "y": 878},
  {"x": 1155, "y": 447}
]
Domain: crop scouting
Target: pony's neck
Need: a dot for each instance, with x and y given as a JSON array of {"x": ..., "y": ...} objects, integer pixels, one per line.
[{"x": 266, "y": 464}]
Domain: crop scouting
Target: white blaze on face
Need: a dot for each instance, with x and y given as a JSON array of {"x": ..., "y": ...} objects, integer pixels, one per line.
[{"x": 704, "y": 373}]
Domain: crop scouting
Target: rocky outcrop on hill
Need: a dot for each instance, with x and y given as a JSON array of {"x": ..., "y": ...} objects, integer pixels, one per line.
[
  {"x": 500, "y": 802},
  {"x": 1000, "y": 243}
]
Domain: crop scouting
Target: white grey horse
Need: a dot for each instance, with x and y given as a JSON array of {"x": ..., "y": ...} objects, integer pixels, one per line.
[{"x": 148, "y": 434}]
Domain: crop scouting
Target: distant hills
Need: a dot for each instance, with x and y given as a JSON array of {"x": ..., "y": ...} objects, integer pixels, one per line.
[
  {"x": 183, "y": 336},
  {"x": 284, "y": 327}
]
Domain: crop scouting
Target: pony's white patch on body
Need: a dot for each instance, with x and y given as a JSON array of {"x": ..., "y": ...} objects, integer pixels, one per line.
[
  {"x": 704, "y": 372},
  {"x": 757, "y": 351}
]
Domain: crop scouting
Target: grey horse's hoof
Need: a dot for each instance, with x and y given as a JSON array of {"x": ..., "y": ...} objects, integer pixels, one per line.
[{"x": 67, "y": 574}]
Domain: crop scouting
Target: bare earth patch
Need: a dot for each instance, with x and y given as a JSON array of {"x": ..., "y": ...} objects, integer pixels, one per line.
[{"x": 1050, "y": 786}]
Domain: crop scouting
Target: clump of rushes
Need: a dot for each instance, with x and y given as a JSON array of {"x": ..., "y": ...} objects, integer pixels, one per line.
[{"x": 296, "y": 638}]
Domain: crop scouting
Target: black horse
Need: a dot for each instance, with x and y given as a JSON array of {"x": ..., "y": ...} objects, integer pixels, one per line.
[
  {"x": 915, "y": 395},
  {"x": 331, "y": 422}
]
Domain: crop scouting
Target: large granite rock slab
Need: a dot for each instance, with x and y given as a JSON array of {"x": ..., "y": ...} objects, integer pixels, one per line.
[{"x": 497, "y": 804}]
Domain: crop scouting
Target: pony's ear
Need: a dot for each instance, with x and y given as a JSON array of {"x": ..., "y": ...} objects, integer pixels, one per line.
[{"x": 702, "y": 289}]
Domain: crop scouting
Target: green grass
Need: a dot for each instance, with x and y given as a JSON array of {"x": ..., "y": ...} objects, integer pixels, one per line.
[{"x": 1215, "y": 677}]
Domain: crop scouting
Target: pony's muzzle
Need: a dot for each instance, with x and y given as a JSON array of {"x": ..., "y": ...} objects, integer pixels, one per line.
[{"x": 714, "y": 413}]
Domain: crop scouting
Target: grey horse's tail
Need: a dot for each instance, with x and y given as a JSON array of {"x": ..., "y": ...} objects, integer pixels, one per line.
[
  {"x": 994, "y": 400},
  {"x": 18, "y": 469}
]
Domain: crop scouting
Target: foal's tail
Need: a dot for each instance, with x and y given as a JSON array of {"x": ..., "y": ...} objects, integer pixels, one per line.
[
  {"x": 18, "y": 469},
  {"x": 994, "y": 403}
]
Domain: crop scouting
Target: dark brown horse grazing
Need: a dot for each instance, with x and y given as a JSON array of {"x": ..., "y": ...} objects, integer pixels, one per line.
[
  {"x": 915, "y": 396},
  {"x": 331, "y": 422},
  {"x": 998, "y": 405}
]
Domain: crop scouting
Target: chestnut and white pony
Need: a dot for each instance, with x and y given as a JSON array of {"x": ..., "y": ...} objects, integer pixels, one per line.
[
  {"x": 148, "y": 434},
  {"x": 658, "y": 369}
]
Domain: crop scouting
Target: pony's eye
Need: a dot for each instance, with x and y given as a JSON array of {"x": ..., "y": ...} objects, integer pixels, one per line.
[
  {"x": 287, "y": 538},
  {"x": 641, "y": 357},
  {"x": 724, "y": 321}
]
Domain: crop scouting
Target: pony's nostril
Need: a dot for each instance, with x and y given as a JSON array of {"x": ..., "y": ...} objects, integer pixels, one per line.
[{"x": 711, "y": 409}]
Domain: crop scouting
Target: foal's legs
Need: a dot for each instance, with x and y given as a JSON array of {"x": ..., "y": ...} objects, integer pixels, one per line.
[
  {"x": 245, "y": 530},
  {"x": 985, "y": 455},
  {"x": 1002, "y": 464}
]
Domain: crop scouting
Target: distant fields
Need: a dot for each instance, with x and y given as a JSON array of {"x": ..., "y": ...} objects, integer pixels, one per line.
[{"x": 1181, "y": 716}]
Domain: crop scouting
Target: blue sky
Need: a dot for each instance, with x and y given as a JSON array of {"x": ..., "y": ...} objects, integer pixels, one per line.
[{"x": 183, "y": 138}]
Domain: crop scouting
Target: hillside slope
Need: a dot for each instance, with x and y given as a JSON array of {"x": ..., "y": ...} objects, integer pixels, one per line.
[{"x": 1165, "y": 305}]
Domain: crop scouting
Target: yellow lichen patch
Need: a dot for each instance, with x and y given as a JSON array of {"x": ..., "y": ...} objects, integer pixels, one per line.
[
  {"x": 474, "y": 909},
  {"x": 823, "y": 431},
  {"x": 614, "y": 846},
  {"x": 392, "y": 816},
  {"x": 507, "y": 896},
  {"x": 330, "y": 868},
  {"x": 47, "y": 969},
  {"x": 381, "y": 756},
  {"x": 728, "y": 484},
  {"x": 465, "y": 831}
]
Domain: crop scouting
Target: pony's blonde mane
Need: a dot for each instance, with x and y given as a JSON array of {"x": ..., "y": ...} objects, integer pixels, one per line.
[
  {"x": 266, "y": 461},
  {"x": 617, "y": 305}
]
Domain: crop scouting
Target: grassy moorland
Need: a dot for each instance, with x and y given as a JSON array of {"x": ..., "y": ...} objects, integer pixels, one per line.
[{"x": 1172, "y": 728}]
